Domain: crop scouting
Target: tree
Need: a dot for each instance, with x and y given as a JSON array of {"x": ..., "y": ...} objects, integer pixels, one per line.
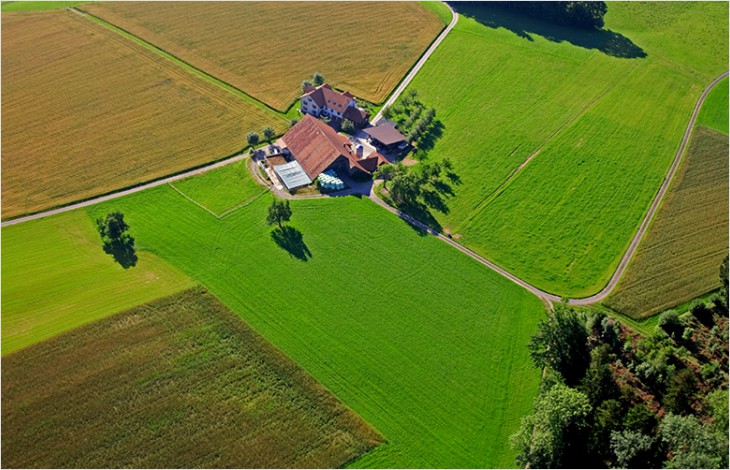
[
  {"x": 692, "y": 444},
  {"x": 680, "y": 392},
  {"x": 252, "y": 138},
  {"x": 560, "y": 343},
  {"x": 387, "y": 112},
  {"x": 306, "y": 84},
  {"x": 718, "y": 404},
  {"x": 317, "y": 79},
  {"x": 348, "y": 126},
  {"x": 268, "y": 133},
  {"x": 385, "y": 173},
  {"x": 112, "y": 227},
  {"x": 554, "y": 435},
  {"x": 279, "y": 212},
  {"x": 406, "y": 187},
  {"x": 640, "y": 418},
  {"x": 631, "y": 448},
  {"x": 116, "y": 240},
  {"x": 293, "y": 122},
  {"x": 670, "y": 322}
]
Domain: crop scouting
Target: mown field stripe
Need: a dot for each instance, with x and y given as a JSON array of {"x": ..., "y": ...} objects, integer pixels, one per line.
[
  {"x": 511, "y": 177},
  {"x": 188, "y": 67}
]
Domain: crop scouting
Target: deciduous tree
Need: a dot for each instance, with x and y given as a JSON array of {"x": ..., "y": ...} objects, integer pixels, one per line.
[
  {"x": 561, "y": 343},
  {"x": 279, "y": 212},
  {"x": 268, "y": 133},
  {"x": 252, "y": 138}
]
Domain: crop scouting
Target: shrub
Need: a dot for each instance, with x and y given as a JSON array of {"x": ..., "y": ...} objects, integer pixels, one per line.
[
  {"x": 702, "y": 313},
  {"x": 670, "y": 322}
]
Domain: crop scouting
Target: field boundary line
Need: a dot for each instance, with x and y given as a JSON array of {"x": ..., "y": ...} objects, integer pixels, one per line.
[
  {"x": 655, "y": 204},
  {"x": 245, "y": 203},
  {"x": 491, "y": 197},
  {"x": 129, "y": 190},
  {"x": 193, "y": 200},
  {"x": 418, "y": 65},
  {"x": 202, "y": 74}
]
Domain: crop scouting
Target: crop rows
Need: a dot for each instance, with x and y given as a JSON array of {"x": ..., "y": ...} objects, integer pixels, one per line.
[
  {"x": 86, "y": 111},
  {"x": 179, "y": 383},
  {"x": 267, "y": 49},
  {"x": 680, "y": 256}
]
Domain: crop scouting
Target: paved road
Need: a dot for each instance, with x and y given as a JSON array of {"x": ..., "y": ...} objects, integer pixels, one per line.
[
  {"x": 126, "y": 192},
  {"x": 606, "y": 291},
  {"x": 406, "y": 81}
]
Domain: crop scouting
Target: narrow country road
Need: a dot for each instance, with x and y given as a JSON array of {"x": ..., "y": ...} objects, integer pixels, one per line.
[
  {"x": 544, "y": 296},
  {"x": 407, "y": 80}
]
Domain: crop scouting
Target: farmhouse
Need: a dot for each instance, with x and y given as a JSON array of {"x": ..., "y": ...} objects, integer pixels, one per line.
[
  {"x": 385, "y": 135},
  {"x": 324, "y": 101},
  {"x": 316, "y": 147}
]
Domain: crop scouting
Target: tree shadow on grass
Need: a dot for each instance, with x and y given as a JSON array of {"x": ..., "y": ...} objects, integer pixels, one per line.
[
  {"x": 429, "y": 139},
  {"x": 123, "y": 253},
  {"x": 604, "y": 40},
  {"x": 291, "y": 240}
]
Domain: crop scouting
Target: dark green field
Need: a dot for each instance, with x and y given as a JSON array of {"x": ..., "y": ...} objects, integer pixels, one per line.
[{"x": 180, "y": 382}]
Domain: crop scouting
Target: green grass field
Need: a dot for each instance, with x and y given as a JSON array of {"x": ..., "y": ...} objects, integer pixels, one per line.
[
  {"x": 223, "y": 189},
  {"x": 178, "y": 383},
  {"x": 679, "y": 258},
  {"x": 425, "y": 344},
  {"x": 56, "y": 277},
  {"x": 714, "y": 112},
  {"x": 36, "y": 6},
  {"x": 602, "y": 114}
]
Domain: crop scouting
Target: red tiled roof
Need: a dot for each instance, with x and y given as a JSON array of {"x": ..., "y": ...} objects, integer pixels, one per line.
[
  {"x": 315, "y": 145},
  {"x": 325, "y": 95}
]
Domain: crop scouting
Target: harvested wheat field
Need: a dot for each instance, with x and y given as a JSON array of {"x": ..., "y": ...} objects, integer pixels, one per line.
[
  {"x": 267, "y": 49},
  {"x": 679, "y": 258},
  {"x": 178, "y": 383},
  {"x": 86, "y": 111}
]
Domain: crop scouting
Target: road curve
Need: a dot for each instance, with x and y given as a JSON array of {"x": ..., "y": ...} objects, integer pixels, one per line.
[
  {"x": 126, "y": 192},
  {"x": 408, "y": 78},
  {"x": 621, "y": 268}
]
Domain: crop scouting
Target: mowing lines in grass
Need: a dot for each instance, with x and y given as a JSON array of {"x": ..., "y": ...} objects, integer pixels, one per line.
[
  {"x": 420, "y": 340},
  {"x": 137, "y": 116},
  {"x": 56, "y": 277},
  {"x": 506, "y": 85},
  {"x": 178, "y": 383},
  {"x": 680, "y": 255}
]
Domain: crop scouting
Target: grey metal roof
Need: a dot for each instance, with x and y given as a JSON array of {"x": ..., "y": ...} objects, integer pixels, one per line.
[{"x": 292, "y": 175}]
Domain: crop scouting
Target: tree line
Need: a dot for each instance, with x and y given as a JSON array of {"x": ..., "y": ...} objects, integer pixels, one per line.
[{"x": 587, "y": 15}]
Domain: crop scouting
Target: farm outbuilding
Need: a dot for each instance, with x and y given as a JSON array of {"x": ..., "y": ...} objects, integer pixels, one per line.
[
  {"x": 385, "y": 135},
  {"x": 292, "y": 175}
]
